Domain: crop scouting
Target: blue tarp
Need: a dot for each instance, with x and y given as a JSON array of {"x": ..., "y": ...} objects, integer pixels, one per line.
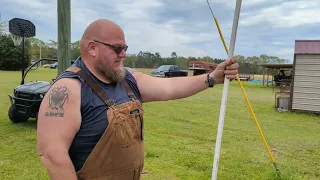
[{"x": 260, "y": 81}]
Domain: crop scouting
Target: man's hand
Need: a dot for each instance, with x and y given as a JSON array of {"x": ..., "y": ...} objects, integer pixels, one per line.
[{"x": 227, "y": 68}]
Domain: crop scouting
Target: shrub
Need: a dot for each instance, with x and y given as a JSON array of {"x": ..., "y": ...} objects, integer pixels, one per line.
[{"x": 11, "y": 57}]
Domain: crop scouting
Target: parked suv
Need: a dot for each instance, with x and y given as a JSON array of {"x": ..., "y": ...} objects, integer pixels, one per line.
[{"x": 169, "y": 71}]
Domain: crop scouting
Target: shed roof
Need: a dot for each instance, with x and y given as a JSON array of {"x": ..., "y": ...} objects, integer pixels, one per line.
[{"x": 307, "y": 47}]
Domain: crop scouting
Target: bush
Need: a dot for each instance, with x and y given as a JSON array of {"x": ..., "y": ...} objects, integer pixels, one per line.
[{"x": 11, "y": 56}]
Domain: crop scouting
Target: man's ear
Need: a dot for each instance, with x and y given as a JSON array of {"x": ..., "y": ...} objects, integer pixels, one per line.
[{"x": 92, "y": 48}]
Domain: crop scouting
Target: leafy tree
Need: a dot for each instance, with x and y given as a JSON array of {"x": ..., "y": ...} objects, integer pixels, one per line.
[
  {"x": 75, "y": 50},
  {"x": 11, "y": 56}
]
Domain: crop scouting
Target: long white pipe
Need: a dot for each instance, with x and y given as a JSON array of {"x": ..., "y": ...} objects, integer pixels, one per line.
[{"x": 225, "y": 91}]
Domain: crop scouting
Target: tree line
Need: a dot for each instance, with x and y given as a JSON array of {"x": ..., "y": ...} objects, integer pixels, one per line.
[
  {"x": 10, "y": 56},
  {"x": 251, "y": 64},
  {"x": 146, "y": 59}
]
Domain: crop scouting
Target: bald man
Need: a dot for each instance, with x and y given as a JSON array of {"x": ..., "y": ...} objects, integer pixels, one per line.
[{"x": 90, "y": 123}]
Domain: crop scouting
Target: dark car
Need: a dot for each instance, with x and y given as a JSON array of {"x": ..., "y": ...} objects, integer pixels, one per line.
[
  {"x": 169, "y": 71},
  {"x": 54, "y": 65}
]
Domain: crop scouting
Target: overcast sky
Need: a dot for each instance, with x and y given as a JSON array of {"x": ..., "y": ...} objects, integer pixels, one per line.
[{"x": 164, "y": 26}]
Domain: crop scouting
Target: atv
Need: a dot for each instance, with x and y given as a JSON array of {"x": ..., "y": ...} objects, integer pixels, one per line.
[{"x": 27, "y": 97}]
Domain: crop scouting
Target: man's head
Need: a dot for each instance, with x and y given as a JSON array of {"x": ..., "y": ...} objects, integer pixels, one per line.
[{"x": 103, "y": 47}]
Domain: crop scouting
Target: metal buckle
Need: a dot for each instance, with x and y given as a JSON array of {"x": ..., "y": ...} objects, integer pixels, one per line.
[
  {"x": 110, "y": 102},
  {"x": 131, "y": 95}
]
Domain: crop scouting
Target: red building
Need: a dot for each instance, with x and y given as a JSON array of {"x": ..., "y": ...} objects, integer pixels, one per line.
[{"x": 201, "y": 67}]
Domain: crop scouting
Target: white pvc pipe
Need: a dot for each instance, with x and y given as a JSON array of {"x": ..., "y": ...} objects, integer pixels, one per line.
[{"x": 225, "y": 92}]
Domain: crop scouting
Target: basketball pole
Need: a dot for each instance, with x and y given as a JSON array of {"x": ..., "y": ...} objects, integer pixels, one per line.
[
  {"x": 64, "y": 35},
  {"x": 23, "y": 60}
]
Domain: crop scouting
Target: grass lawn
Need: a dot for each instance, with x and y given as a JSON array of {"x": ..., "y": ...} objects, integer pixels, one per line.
[{"x": 180, "y": 137}]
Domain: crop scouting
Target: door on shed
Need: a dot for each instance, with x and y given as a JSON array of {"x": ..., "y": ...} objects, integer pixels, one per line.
[{"x": 306, "y": 86}]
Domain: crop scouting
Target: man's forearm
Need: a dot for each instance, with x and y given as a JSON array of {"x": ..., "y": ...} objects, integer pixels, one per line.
[
  {"x": 59, "y": 167},
  {"x": 182, "y": 87}
]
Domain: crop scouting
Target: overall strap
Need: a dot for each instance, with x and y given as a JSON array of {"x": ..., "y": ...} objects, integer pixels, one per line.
[
  {"x": 129, "y": 90},
  {"x": 94, "y": 86}
]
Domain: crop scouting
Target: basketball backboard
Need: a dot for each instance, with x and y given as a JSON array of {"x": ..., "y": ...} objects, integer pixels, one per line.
[{"x": 22, "y": 28}]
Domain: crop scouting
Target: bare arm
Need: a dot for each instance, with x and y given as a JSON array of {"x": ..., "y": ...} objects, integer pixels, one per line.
[
  {"x": 162, "y": 89},
  {"x": 59, "y": 120}
]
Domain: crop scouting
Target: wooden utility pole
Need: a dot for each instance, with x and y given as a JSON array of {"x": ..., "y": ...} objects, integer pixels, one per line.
[{"x": 64, "y": 35}]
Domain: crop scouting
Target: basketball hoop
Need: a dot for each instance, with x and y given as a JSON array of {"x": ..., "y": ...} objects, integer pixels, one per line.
[
  {"x": 21, "y": 29},
  {"x": 16, "y": 39}
]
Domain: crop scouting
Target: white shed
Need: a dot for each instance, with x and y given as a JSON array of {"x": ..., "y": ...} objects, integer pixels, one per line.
[{"x": 305, "y": 87}]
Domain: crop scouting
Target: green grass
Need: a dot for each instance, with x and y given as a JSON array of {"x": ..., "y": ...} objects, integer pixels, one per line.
[{"x": 180, "y": 137}]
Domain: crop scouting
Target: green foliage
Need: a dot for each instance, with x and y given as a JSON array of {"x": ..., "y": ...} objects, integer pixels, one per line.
[
  {"x": 50, "y": 49},
  {"x": 150, "y": 60},
  {"x": 146, "y": 59},
  {"x": 47, "y": 50},
  {"x": 75, "y": 50},
  {"x": 251, "y": 64},
  {"x": 11, "y": 56}
]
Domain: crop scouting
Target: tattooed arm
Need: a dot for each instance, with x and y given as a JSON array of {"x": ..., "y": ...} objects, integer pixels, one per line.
[{"x": 58, "y": 121}]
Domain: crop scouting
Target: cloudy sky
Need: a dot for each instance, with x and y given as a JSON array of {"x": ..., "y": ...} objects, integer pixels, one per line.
[{"x": 184, "y": 26}]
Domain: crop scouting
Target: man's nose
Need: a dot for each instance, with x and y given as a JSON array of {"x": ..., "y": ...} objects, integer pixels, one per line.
[{"x": 123, "y": 54}]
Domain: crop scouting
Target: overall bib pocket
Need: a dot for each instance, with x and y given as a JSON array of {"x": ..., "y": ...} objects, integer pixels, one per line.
[{"x": 128, "y": 129}]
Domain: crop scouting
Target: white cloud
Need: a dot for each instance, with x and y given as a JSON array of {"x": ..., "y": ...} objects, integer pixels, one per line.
[
  {"x": 266, "y": 26},
  {"x": 138, "y": 10},
  {"x": 35, "y": 4},
  {"x": 45, "y": 12},
  {"x": 286, "y": 15},
  {"x": 285, "y": 51},
  {"x": 277, "y": 42},
  {"x": 163, "y": 37},
  {"x": 244, "y": 3}
]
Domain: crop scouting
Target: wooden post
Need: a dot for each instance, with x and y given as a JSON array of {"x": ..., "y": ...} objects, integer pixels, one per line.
[
  {"x": 268, "y": 78},
  {"x": 64, "y": 35},
  {"x": 263, "y": 76}
]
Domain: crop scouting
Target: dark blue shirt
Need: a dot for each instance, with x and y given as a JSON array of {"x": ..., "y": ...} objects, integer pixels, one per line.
[{"x": 94, "y": 112}]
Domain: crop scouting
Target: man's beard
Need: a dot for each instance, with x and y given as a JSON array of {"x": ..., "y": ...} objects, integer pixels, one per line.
[{"x": 113, "y": 75}]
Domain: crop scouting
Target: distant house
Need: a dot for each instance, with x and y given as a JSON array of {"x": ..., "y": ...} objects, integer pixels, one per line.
[{"x": 305, "y": 87}]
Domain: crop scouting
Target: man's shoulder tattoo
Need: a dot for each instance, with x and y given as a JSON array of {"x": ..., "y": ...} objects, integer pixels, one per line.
[{"x": 57, "y": 97}]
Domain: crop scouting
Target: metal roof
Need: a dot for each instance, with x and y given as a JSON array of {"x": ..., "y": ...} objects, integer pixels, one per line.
[
  {"x": 277, "y": 66},
  {"x": 307, "y": 47}
]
